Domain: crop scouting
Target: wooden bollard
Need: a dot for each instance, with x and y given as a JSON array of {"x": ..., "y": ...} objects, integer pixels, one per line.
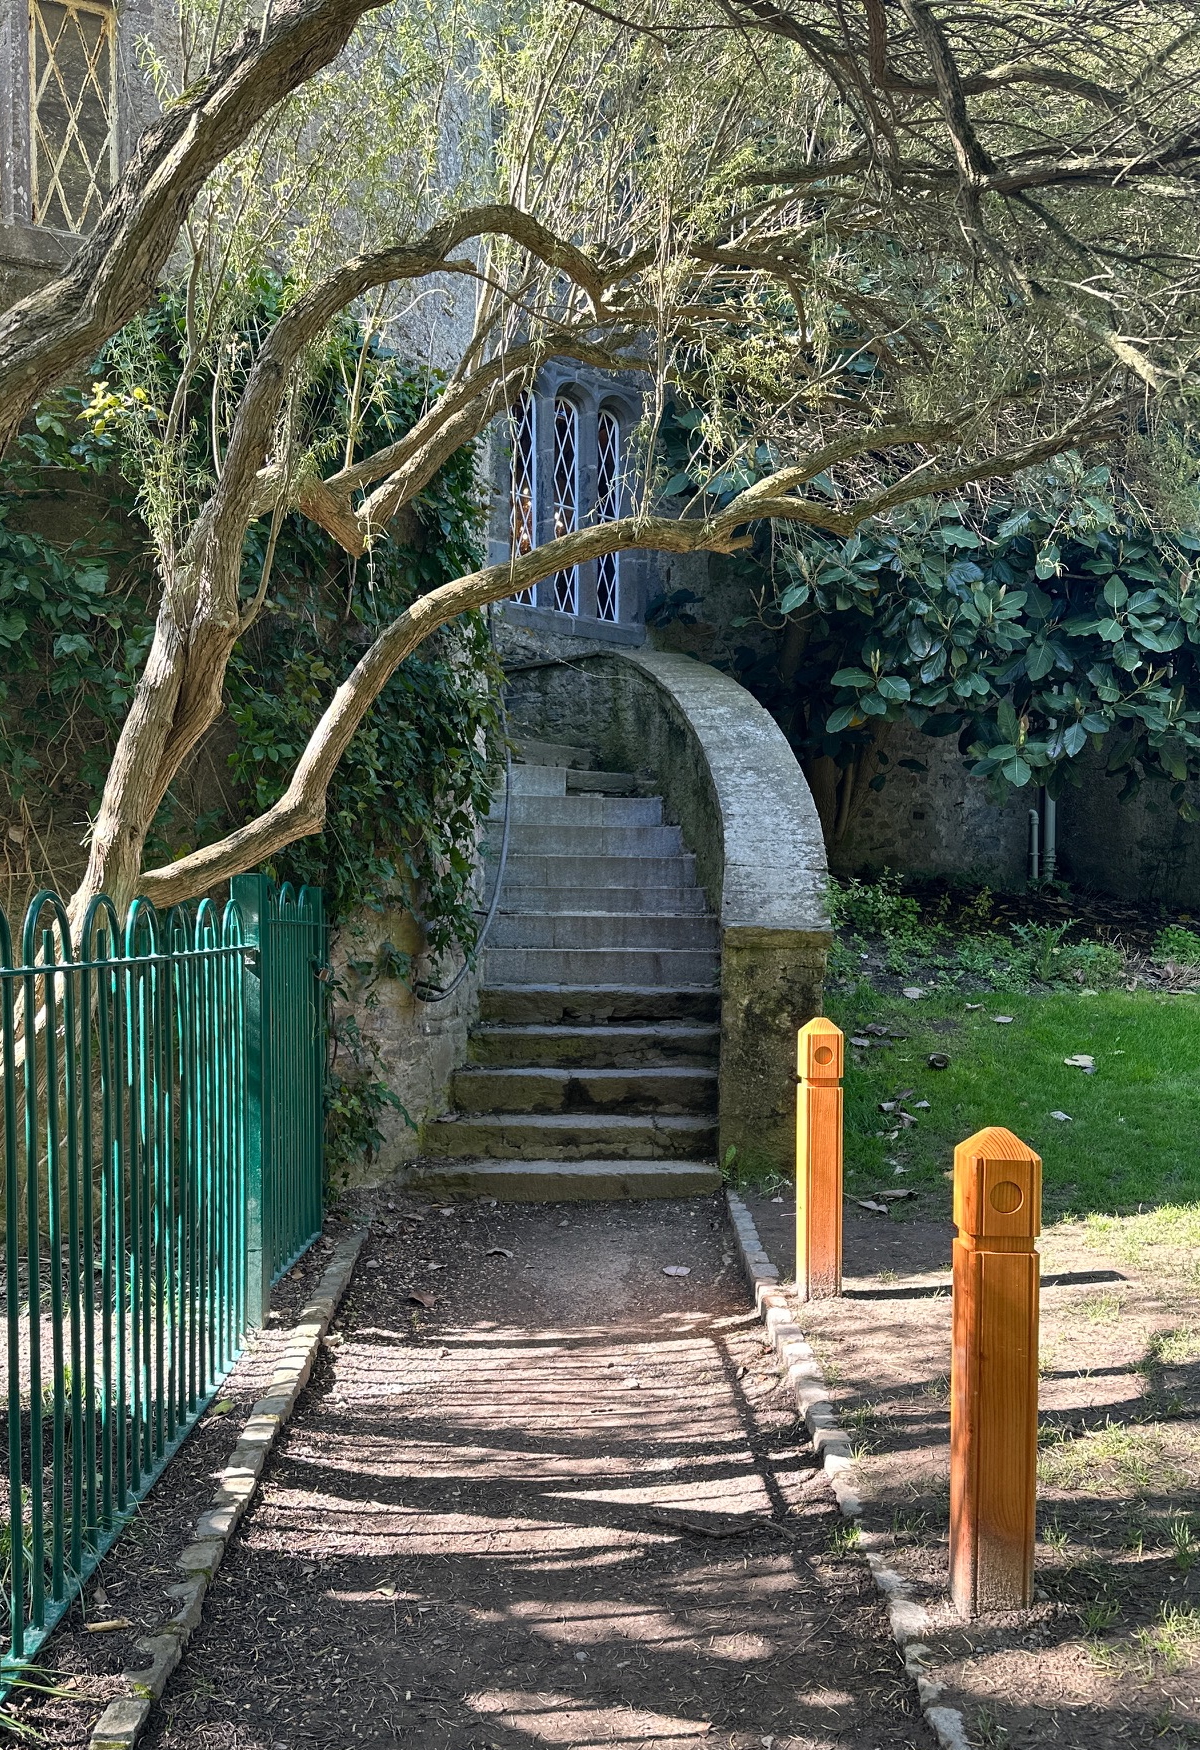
[
  {"x": 994, "y": 1373},
  {"x": 819, "y": 1053}
]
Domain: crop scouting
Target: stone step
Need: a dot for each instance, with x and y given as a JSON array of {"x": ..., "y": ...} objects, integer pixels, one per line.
[
  {"x": 562, "y": 1181},
  {"x": 596, "y": 1005},
  {"x": 540, "y": 1136},
  {"x": 551, "y": 753},
  {"x": 612, "y": 783},
  {"x": 610, "y": 1047},
  {"x": 564, "y": 840},
  {"x": 565, "y": 869},
  {"x": 663, "y": 902},
  {"x": 532, "y": 781},
  {"x": 598, "y": 929},
  {"x": 590, "y": 966},
  {"x": 641, "y": 1089},
  {"x": 577, "y": 811}
]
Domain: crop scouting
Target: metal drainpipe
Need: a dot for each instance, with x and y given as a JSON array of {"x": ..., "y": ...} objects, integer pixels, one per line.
[
  {"x": 1049, "y": 836},
  {"x": 1034, "y": 853}
]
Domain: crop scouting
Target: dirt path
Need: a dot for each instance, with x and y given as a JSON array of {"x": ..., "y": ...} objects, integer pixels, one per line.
[{"x": 566, "y": 1506}]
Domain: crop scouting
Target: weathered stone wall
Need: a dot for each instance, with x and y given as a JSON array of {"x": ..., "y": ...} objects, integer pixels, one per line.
[
  {"x": 1138, "y": 849},
  {"x": 417, "y": 1045},
  {"x": 730, "y": 780},
  {"x": 938, "y": 821}
]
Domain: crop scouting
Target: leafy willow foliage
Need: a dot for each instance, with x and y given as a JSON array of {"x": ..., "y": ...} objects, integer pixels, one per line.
[{"x": 75, "y": 618}]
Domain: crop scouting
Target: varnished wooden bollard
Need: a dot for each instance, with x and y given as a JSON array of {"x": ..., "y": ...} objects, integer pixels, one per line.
[
  {"x": 819, "y": 1053},
  {"x": 994, "y": 1373}
]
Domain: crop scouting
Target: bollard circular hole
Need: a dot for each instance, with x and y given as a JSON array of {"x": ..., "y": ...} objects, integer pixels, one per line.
[
  {"x": 823, "y": 1054},
  {"x": 1007, "y": 1197}
]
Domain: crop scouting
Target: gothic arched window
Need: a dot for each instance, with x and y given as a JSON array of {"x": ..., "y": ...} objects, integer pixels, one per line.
[
  {"x": 72, "y": 111},
  {"x": 608, "y": 509},
  {"x": 566, "y": 497},
  {"x": 523, "y": 474}
]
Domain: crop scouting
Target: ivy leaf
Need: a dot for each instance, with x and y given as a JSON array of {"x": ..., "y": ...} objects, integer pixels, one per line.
[{"x": 72, "y": 644}]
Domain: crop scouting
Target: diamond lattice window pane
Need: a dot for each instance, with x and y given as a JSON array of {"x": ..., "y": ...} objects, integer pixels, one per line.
[
  {"x": 608, "y": 509},
  {"x": 523, "y": 482},
  {"x": 566, "y": 498},
  {"x": 73, "y": 111}
]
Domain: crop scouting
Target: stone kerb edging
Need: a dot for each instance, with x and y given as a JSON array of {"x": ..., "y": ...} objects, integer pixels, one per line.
[
  {"x": 122, "y": 1721},
  {"x": 909, "y": 1620}
]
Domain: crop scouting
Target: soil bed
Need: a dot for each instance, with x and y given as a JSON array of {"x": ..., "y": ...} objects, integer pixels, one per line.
[{"x": 566, "y": 1504}]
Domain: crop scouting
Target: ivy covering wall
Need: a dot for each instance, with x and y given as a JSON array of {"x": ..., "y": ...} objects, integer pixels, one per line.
[{"x": 77, "y": 595}]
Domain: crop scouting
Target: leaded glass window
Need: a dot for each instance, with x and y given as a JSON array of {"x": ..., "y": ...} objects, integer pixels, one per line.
[
  {"x": 72, "y": 111},
  {"x": 608, "y": 509},
  {"x": 523, "y": 476},
  {"x": 566, "y": 497}
]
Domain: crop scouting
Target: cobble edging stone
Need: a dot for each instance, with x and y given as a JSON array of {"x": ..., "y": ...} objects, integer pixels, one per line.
[
  {"x": 909, "y": 1620},
  {"x": 121, "y": 1723}
]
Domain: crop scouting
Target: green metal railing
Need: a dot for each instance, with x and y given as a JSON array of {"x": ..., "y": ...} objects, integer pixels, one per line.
[
  {"x": 148, "y": 1115},
  {"x": 287, "y": 1073}
]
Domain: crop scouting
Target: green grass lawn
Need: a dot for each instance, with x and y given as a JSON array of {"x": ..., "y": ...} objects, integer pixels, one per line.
[{"x": 1133, "y": 1140}]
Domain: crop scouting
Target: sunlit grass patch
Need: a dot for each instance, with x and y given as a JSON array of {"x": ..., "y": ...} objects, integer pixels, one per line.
[
  {"x": 1171, "y": 1644},
  {"x": 1114, "y": 1459},
  {"x": 1127, "y": 1139}
]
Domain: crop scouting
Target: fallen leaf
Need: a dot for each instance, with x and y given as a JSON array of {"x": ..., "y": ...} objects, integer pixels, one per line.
[
  {"x": 858, "y": 1040},
  {"x": 1063, "y": 1117},
  {"x": 499, "y": 1252},
  {"x": 938, "y": 1060},
  {"x": 1082, "y": 1061},
  {"x": 435, "y": 1266},
  {"x": 374, "y": 1264},
  {"x": 677, "y": 1269},
  {"x": 972, "y": 1007},
  {"x": 866, "y": 1203},
  {"x": 896, "y": 1196},
  {"x": 1003, "y": 1020},
  {"x": 912, "y": 991},
  {"x": 223, "y": 1408},
  {"x": 921, "y": 1106},
  {"x": 876, "y": 1029},
  {"x": 887, "y": 1105},
  {"x": 420, "y": 1299},
  {"x": 906, "y": 1093}
]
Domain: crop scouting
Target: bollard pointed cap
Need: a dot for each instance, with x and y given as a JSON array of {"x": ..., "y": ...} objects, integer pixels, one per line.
[
  {"x": 820, "y": 1049},
  {"x": 997, "y": 1186}
]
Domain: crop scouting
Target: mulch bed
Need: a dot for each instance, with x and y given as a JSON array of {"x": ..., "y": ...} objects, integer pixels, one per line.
[
  {"x": 567, "y": 1503},
  {"x": 1110, "y": 1655},
  {"x": 130, "y": 1584}
]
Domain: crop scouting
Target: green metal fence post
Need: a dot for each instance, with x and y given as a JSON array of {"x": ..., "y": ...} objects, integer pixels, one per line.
[{"x": 252, "y": 896}]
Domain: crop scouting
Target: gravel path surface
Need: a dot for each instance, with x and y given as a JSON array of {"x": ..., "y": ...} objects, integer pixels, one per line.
[{"x": 567, "y": 1504}]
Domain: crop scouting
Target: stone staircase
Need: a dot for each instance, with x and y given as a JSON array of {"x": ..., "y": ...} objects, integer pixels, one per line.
[{"x": 593, "y": 1068}]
